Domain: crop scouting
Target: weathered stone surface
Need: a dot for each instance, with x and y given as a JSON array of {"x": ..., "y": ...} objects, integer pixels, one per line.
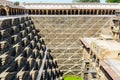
[
  {"x": 61, "y": 35},
  {"x": 21, "y": 50},
  {"x": 4, "y": 45},
  {"x": 16, "y": 21},
  {"x": 5, "y": 23}
]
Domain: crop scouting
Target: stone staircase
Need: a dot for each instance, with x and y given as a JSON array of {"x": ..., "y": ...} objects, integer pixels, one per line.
[
  {"x": 23, "y": 53},
  {"x": 62, "y": 34}
]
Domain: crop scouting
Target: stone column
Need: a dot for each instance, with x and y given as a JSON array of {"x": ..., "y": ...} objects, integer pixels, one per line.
[{"x": 67, "y": 11}]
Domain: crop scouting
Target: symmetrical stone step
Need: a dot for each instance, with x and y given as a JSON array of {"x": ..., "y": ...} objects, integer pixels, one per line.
[
  {"x": 62, "y": 34},
  {"x": 22, "y": 51}
]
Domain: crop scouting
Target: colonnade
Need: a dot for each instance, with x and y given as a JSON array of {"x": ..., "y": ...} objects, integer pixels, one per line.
[
  {"x": 15, "y": 11},
  {"x": 71, "y": 12},
  {"x": 11, "y": 11}
]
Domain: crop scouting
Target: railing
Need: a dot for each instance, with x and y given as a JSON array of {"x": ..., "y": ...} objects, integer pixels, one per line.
[{"x": 42, "y": 66}]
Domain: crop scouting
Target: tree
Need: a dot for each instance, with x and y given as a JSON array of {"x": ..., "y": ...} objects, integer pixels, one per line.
[
  {"x": 16, "y": 3},
  {"x": 113, "y": 1},
  {"x": 86, "y": 0}
]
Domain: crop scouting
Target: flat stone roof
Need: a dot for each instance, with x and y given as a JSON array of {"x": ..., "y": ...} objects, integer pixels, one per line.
[
  {"x": 88, "y": 41},
  {"x": 71, "y": 5},
  {"x": 111, "y": 65},
  {"x": 105, "y": 36},
  {"x": 114, "y": 64},
  {"x": 110, "y": 45},
  {"x": 12, "y": 17},
  {"x": 110, "y": 71}
]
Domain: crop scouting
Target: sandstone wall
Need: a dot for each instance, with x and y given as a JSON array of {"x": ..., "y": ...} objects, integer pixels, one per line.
[{"x": 62, "y": 34}]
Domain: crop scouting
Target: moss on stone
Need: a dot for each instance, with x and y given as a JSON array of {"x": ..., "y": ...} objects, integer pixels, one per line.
[{"x": 72, "y": 77}]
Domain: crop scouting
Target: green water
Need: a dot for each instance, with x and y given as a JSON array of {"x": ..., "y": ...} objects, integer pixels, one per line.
[{"x": 72, "y": 77}]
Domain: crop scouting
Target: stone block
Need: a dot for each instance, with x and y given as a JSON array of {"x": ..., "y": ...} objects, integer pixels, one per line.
[
  {"x": 29, "y": 29},
  {"x": 33, "y": 27},
  {"x": 39, "y": 46},
  {"x": 41, "y": 41},
  {"x": 41, "y": 53},
  {"x": 15, "y": 30},
  {"x": 29, "y": 18},
  {"x": 35, "y": 52},
  {"x": 33, "y": 44},
  {"x": 23, "y": 33},
  {"x": 25, "y": 41},
  {"x": 34, "y": 31},
  {"x": 20, "y": 61},
  {"x": 36, "y": 38},
  {"x": 23, "y": 19},
  {"x": 22, "y": 26},
  {"x": 17, "y": 49},
  {"x": 34, "y": 74},
  {"x": 6, "y": 59},
  {"x": 44, "y": 47},
  {"x": 28, "y": 51},
  {"x": 30, "y": 36},
  {"x": 38, "y": 62},
  {"x": 5, "y": 23},
  {"x": 23, "y": 75},
  {"x": 27, "y": 23},
  {"x": 7, "y": 75},
  {"x": 16, "y": 21},
  {"x": 31, "y": 62},
  {"x": 4, "y": 46},
  {"x": 11, "y": 52},
  {"x": 15, "y": 39},
  {"x": 4, "y": 34}
]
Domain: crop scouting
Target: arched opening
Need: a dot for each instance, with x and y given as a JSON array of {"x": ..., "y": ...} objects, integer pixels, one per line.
[
  {"x": 10, "y": 12},
  {"x": 15, "y": 11},
  {"x": 29, "y": 12},
  {"x": 99, "y": 12},
  {"x": 95, "y": 12},
  {"x": 49, "y": 12},
  {"x": 84, "y": 12},
  {"x": 60, "y": 12},
  {"x": 110, "y": 12},
  {"x": 76, "y": 12},
  {"x": 94, "y": 58},
  {"x": 113, "y": 11},
  {"x": 87, "y": 12},
  {"x": 3, "y": 12},
  {"x": 92, "y": 12},
  {"x": 18, "y": 11},
  {"x": 103, "y": 12},
  {"x": 22, "y": 11},
  {"x": 40, "y": 12},
  {"x": 57, "y": 12},
  {"x": 80, "y": 12},
  {"x": 44, "y": 12},
  {"x": 64, "y": 12},
  {"x": 68, "y": 12},
  {"x": 37, "y": 12},
  {"x": 53, "y": 12},
  {"x": 72, "y": 12},
  {"x": 33, "y": 12}
]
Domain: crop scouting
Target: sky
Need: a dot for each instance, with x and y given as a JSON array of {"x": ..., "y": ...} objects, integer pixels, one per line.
[{"x": 55, "y": 1}]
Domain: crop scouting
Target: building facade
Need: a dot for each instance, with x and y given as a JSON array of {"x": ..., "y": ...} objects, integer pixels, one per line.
[
  {"x": 8, "y": 8},
  {"x": 103, "y": 53}
]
